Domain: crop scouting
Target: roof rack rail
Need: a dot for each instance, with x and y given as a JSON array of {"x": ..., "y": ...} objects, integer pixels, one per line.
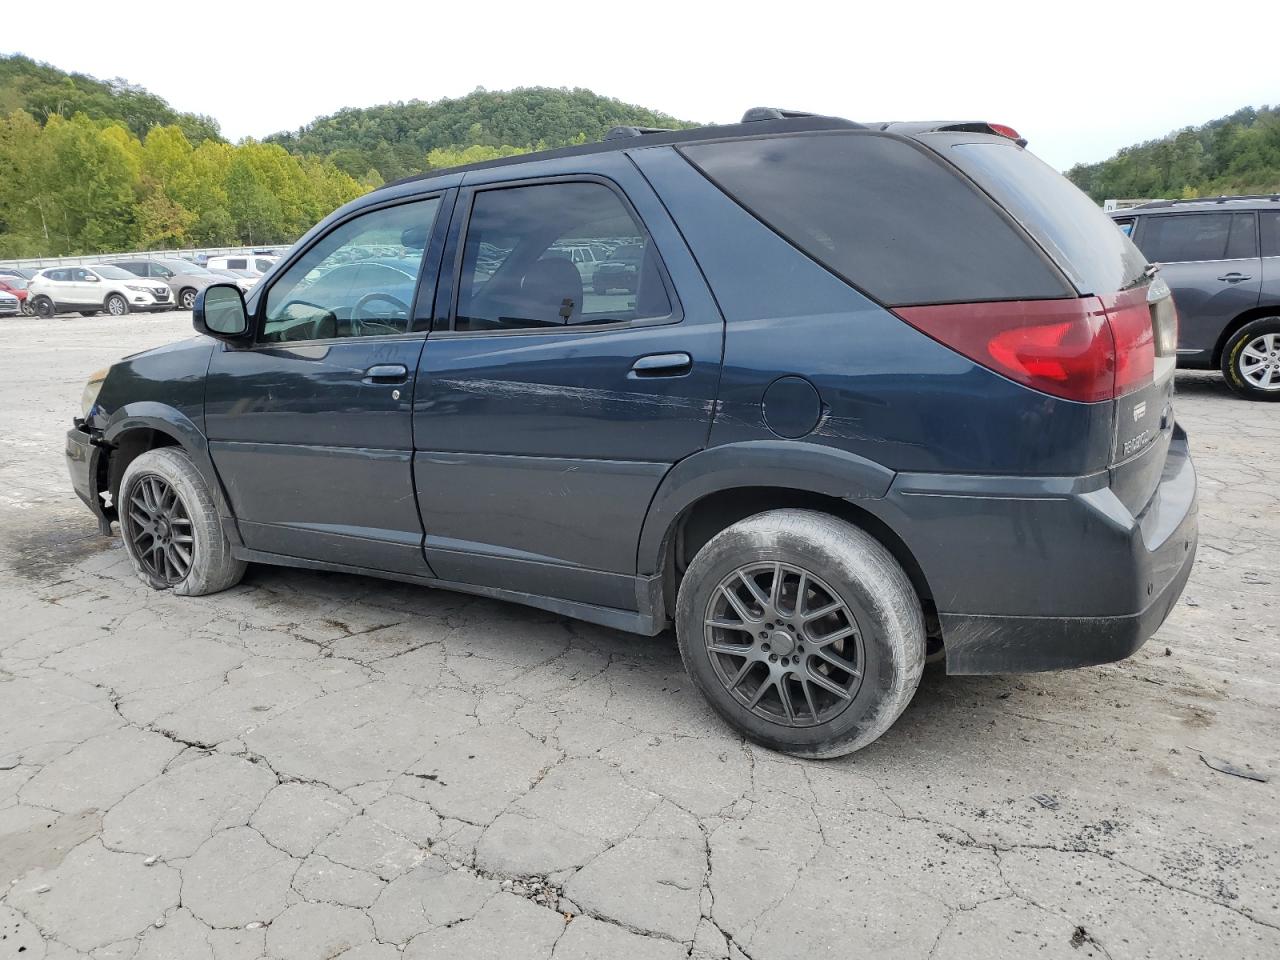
[
  {"x": 773, "y": 113},
  {"x": 1151, "y": 204},
  {"x": 621, "y": 132}
]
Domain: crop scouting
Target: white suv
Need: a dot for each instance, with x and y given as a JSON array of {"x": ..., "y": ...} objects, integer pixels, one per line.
[{"x": 90, "y": 289}]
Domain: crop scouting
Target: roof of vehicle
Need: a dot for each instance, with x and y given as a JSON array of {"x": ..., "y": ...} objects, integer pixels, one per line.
[
  {"x": 1253, "y": 202},
  {"x": 756, "y": 122}
]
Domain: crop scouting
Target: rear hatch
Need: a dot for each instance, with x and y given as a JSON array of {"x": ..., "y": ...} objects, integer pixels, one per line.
[{"x": 1106, "y": 268}]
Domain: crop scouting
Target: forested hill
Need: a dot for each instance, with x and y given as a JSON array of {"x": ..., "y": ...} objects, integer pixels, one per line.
[
  {"x": 44, "y": 91},
  {"x": 395, "y": 139},
  {"x": 1239, "y": 153}
]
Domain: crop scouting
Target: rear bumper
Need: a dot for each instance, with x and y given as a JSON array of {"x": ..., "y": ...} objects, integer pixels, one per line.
[{"x": 1029, "y": 579}]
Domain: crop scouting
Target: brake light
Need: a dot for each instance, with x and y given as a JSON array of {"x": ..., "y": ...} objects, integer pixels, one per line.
[
  {"x": 1005, "y": 131},
  {"x": 1061, "y": 347},
  {"x": 1130, "y": 317}
]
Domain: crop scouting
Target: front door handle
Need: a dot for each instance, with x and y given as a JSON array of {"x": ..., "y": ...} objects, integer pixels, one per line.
[
  {"x": 1234, "y": 277},
  {"x": 387, "y": 373},
  {"x": 662, "y": 365}
]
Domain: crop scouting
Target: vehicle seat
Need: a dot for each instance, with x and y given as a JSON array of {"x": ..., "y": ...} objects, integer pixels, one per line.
[{"x": 545, "y": 288}]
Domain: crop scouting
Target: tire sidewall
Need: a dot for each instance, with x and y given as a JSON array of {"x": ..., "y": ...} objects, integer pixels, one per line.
[
  {"x": 1231, "y": 359},
  {"x": 893, "y": 650},
  {"x": 212, "y": 567}
]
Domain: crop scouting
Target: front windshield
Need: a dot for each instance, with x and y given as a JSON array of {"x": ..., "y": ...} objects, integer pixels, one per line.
[{"x": 113, "y": 273}]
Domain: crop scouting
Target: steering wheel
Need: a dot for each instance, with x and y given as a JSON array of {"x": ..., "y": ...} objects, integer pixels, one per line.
[{"x": 357, "y": 321}]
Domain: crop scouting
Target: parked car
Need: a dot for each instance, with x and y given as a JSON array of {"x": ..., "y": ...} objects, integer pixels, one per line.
[
  {"x": 94, "y": 288},
  {"x": 185, "y": 279},
  {"x": 24, "y": 273},
  {"x": 1221, "y": 258},
  {"x": 843, "y": 423},
  {"x": 18, "y": 287},
  {"x": 245, "y": 283},
  {"x": 10, "y": 306},
  {"x": 248, "y": 265},
  {"x": 621, "y": 271}
]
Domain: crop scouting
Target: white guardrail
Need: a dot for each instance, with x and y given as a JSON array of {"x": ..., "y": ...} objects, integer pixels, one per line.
[{"x": 198, "y": 255}]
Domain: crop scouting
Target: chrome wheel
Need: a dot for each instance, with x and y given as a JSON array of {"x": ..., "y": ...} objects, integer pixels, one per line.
[
  {"x": 1259, "y": 361},
  {"x": 784, "y": 644},
  {"x": 159, "y": 530},
  {"x": 116, "y": 306}
]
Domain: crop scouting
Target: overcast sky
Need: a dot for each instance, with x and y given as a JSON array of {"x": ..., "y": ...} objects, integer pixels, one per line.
[{"x": 1078, "y": 79}]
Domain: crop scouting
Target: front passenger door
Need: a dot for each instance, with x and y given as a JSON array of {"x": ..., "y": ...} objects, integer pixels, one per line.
[{"x": 310, "y": 427}]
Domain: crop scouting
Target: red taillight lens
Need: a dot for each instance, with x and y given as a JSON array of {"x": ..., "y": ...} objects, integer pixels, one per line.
[
  {"x": 1005, "y": 131},
  {"x": 1061, "y": 347},
  {"x": 1130, "y": 317}
]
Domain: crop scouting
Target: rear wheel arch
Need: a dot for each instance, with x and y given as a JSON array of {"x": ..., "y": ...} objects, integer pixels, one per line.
[
  {"x": 1257, "y": 313},
  {"x": 707, "y": 516}
]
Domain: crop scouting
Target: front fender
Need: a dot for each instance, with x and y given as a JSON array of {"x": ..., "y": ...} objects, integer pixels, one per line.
[
  {"x": 173, "y": 423},
  {"x": 784, "y": 464}
]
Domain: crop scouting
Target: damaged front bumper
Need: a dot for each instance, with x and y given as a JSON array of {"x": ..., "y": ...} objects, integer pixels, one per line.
[{"x": 85, "y": 451}]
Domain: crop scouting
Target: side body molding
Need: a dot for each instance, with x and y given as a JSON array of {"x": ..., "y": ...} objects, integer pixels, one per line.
[{"x": 788, "y": 464}]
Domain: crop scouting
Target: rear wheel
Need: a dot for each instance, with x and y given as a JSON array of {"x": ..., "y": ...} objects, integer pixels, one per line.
[
  {"x": 117, "y": 305},
  {"x": 44, "y": 308},
  {"x": 802, "y": 631},
  {"x": 1251, "y": 360},
  {"x": 170, "y": 526}
]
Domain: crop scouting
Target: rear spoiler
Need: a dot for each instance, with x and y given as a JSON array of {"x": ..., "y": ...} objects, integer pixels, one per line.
[{"x": 913, "y": 127}]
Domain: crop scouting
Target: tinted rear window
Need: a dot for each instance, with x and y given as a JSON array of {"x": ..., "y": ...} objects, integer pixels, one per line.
[
  {"x": 1082, "y": 239},
  {"x": 883, "y": 214},
  {"x": 1269, "y": 221},
  {"x": 1189, "y": 237}
]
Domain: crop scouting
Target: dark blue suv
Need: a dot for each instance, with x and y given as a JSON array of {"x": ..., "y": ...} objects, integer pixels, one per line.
[{"x": 874, "y": 394}]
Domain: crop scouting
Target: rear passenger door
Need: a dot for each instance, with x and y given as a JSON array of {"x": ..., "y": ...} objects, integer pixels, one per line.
[
  {"x": 1269, "y": 235},
  {"x": 547, "y": 414},
  {"x": 1210, "y": 261}
]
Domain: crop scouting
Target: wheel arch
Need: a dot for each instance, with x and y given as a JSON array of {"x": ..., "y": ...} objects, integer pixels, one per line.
[
  {"x": 136, "y": 428},
  {"x": 711, "y": 490},
  {"x": 1256, "y": 313}
]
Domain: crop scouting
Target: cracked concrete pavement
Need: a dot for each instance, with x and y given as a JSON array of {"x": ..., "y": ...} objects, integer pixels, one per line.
[{"x": 312, "y": 765}]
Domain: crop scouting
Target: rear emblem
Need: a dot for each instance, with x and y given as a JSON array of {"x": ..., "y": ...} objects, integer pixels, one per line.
[{"x": 1139, "y": 411}]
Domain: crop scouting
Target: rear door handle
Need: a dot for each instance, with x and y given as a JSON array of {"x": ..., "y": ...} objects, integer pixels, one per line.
[
  {"x": 1234, "y": 277},
  {"x": 662, "y": 365},
  {"x": 387, "y": 373}
]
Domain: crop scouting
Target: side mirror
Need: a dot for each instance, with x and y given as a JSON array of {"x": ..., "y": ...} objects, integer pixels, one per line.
[{"x": 219, "y": 312}]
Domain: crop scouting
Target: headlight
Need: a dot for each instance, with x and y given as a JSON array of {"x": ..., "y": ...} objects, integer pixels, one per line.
[
  {"x": 138, "y": 287},
  {"x": 89, "y": 396}
]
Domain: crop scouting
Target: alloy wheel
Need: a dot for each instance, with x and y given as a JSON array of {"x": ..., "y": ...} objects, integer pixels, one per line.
[
  {"x": 115, "y": 307},
  {"x": 160, "y": 530},
  {"x": 1259, "y": 361},
  {"x": 784, "y": 644}
]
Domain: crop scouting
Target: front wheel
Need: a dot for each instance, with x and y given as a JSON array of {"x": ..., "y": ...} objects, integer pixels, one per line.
[
  {"x": 170, "y": 526},
  {"x": 802, "y": 631},
  {"x": 187, "y": 298},
  {"x": 27, "y": 309},
  {"x": 117, "y": 305},
  {"x": 1251, "y": 360}
]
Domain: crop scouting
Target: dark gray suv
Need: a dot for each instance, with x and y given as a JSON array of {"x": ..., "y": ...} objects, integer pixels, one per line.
[{"x": 1221, "y": 258}]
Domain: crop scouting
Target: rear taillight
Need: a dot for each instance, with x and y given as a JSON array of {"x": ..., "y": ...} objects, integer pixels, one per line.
[
  {"x": 1088, "y": 349},
  {"x": 1005, "y": 131}
]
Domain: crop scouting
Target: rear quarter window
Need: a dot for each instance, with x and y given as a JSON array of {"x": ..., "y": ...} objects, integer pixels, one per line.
[{"x": 884, "y": 214}]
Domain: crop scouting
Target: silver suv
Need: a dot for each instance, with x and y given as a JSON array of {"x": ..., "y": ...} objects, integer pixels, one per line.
[{"x": 1221, "y": 257}]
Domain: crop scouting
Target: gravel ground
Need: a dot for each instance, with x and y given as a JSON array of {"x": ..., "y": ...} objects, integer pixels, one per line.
[{"x": 313, "y": 763}]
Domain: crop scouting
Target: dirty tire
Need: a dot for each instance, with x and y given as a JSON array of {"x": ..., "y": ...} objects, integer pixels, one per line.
[
  {"x": 116, "y": 305},
  {"x": 860, "y": 572},
  {"x": 1234, "y": 359},
  {"x": 213, "y": 568}
]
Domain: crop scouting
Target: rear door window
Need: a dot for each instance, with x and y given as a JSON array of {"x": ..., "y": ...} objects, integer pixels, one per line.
[
  {"x": 1192, "y": 237},
  {"x": 527, "y": 260},
  {"x": 885, "y": 214}
]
